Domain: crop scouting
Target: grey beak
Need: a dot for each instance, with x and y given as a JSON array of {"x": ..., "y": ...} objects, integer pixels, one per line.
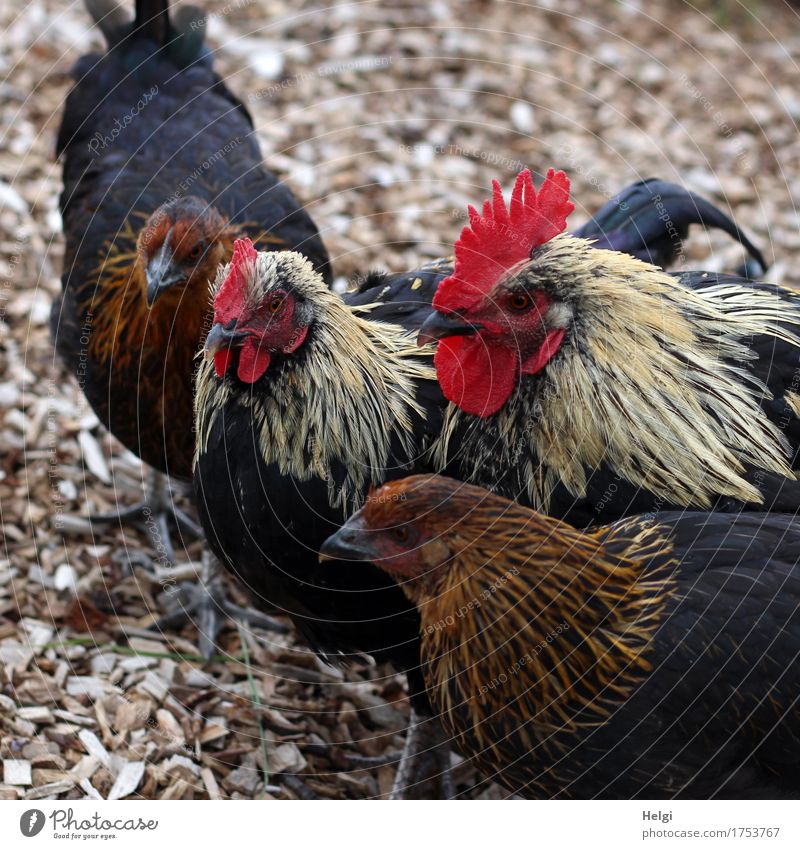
[
  {"x": 350, "y": 542},
  {"x": 218, "y": 338},
  {"x": 161, "y": 274},
  {"x": 439, "y": 326}
]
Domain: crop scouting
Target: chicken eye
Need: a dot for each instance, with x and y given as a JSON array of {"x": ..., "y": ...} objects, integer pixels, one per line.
[
  {"x": 196, "y": 252},
  {"x": 400, "y": 533},
  {"x": 274, "y": 304},
  {"x": 520, "y": 301}
]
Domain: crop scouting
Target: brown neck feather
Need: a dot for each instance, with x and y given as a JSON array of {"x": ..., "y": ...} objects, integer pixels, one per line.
[{"x": 556, "y": 633}]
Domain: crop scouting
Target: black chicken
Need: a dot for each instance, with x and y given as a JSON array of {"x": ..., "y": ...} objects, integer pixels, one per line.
[{"x": 161, "y": 173}]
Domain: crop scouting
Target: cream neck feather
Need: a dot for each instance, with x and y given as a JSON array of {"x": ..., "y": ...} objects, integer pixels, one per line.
[
  {"x": 343, "y": 404},
  {"x": 641, "y": 384}
]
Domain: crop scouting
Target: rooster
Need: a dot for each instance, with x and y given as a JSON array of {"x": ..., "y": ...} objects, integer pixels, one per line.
[
  {"x": 305, "y": 401},
  {"x": 162, "y": 173},
  {"x": 656, "y": 657},
  {"x": 590, "y": 385}
]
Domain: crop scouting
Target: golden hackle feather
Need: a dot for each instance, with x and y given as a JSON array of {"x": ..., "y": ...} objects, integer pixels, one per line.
[
  {"x": 640, "y": 383},
  {"x": 531, "y": 630},
  {"x": 125, "y": 328},
  {"x": 343, "y": 399}
]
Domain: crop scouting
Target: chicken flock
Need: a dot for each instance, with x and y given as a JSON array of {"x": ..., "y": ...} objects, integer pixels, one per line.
[{"x": 551, "y": 481}]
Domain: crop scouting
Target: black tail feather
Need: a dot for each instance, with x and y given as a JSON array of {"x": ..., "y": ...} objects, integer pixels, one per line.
[
  {"x": 182, "y": 32},
  {"x": 650, "y": 219},
  {"x": 112, "y": 21},
  {"x": 189, "y": 33},
  {"x": 152, "y": 20}
]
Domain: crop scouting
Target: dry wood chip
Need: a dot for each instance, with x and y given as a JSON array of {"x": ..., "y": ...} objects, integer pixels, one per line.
[
  {"x": 36, "y": 714},
  {"x": 14, "y": 655},
  {"x": 93, "y": 456},
  {"x": 68, "y": 716},
  {"x": 181, "y": 762},
  {"x": 134, "y": 664},
  {"x": 212, "y": 788},
  {"x": 65, "y": 578},
  {"x": 286, "y": 758},
  {"x": 85, "y": 768},
  {"x": 244, "y": 780},
  {"x": 94, "y": 747},
  {"x": 146, "y": 644},
  {"x": 47, "y": 776},
  {"x": 102, "y": 721},
  {"x": 127, "y": 780},
  {"x": 131, "y": 715},
  {"x": 90, "y": 791},
  {"x": 154, "y": 686},
  {"x": 17, "y": 772},
  {"x": 38, "y": 633},
  {"x": 213, "y": 731},
  {"x": 88, "y": 685},
  {"x": 364, "y": 785},
  {"x": 385, "y": 780},
  {"x": 48, "y": 760},
  {"x": 74, "y": 705},
  {"x": 49, "y": 791},
  {"x": 103, "y": 664},
  {"x": 170, "y": 727}
]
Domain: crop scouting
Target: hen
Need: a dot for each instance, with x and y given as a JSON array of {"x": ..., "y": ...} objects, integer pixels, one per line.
[{"x": 657, "y": 657}]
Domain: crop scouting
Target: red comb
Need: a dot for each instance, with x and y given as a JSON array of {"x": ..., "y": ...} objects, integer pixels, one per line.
[
  {"x": 502, "y": 237},
  {"x": 229, "y": 300}
]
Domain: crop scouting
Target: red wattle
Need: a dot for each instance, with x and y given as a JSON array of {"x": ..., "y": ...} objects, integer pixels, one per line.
[
  {"x": 552, "y": 342},
  {"x": 478, "y": 378},
  {"x": 296, "y": 342},
  {"x": 253, "y": 361},
  {"x": 222, "y": 359}
]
